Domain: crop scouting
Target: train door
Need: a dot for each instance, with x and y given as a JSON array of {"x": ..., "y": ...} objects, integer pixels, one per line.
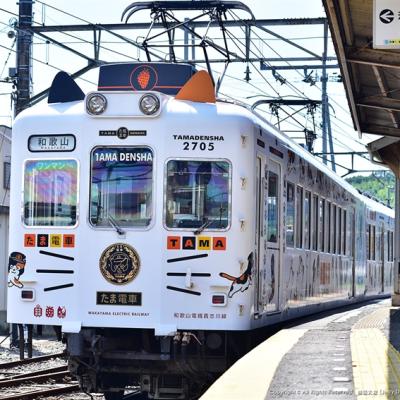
[
  {"x": 258, "y": 230},
  {"x": 272, "y": 237},
  {"x": 352, "y": 252},
  {"x": 383, "y": 255},
  {"x": 268, "y": 238}
]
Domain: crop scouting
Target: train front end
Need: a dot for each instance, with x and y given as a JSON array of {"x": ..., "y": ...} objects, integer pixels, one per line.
[{"x": 124, "y": 232}]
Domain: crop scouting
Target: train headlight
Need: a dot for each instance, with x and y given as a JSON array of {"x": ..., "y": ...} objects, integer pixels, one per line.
[
  {"x": 149, "y": 104},
  {"x": 96, "y": 103}
]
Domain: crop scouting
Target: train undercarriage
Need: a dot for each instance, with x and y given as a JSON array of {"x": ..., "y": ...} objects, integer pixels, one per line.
[{"x": 178, "y": 367}]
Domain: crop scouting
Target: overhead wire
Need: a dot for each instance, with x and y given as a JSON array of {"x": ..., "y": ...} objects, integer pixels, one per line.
[
  {"x": 8, "y": 58},
  {"x": 233, "y": 39},
  {"x": 48, "y": 64},
  {"x": 128, "y": 40},
  {"x": 299, "y": 73},
  {"x": 76, "y": 37},
  {"x": 296, "y": 70},
  {"x": 233, "y": 14},
  {"x": 88, "y": 22},
  {"x": 81, "y": 41},
  {"x": 346, "y": 110}
]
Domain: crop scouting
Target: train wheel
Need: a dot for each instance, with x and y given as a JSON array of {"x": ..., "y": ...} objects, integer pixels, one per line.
[{"x": 114, "y": 395}]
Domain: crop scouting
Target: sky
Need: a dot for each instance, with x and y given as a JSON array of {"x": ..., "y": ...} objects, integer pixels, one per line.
[{"x": 49, "y": 59}]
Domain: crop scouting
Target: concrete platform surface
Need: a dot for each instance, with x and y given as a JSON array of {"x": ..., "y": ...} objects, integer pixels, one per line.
[{"x": 346, "y": 354}]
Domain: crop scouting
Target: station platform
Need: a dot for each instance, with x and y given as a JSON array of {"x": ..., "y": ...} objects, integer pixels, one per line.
[{"x": 351, "y": 354}]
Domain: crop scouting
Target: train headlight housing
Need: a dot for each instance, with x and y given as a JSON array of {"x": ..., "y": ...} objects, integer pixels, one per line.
[
  {"x": 149, "y": 104},
  {"x": 96, "y": 104}
]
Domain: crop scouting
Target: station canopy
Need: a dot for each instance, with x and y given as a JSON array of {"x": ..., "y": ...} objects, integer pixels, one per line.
[{"x": 371, "y": 75}]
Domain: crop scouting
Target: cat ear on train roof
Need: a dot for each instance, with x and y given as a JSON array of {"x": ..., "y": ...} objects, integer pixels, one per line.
[
  {"x": 64, "y": 89},
  {"x": 198, "y": 88}
]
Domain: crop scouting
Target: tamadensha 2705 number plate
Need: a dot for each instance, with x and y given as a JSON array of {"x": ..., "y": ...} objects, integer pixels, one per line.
[{"x": 38, "y": 143}]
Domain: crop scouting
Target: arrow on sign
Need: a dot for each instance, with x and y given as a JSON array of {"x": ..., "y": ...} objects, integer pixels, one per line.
[{"x": 386, "y": 16}]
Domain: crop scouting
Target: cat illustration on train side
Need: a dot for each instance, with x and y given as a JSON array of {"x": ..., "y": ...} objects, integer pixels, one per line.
[
  {"x": 242, "y": 282},
  {"x": 16, "y": 267}
]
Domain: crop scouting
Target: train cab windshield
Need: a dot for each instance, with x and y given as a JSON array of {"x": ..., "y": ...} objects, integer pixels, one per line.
[
  {"x": 50, "y": 192},
  {"x": 197, "y": 194},
  {"x": 121, "y": 187}
]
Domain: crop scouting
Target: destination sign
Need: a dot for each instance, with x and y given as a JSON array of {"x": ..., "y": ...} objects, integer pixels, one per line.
[
  {"x": 37, "y": 143},
  {"x": 114, "y": 155}
]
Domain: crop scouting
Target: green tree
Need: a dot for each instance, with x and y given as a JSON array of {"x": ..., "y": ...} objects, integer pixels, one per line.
[{"x": 379, "y": 185}]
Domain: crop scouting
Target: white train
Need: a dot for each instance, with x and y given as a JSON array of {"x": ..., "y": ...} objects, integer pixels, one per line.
[{"x": 159, "y": 227}]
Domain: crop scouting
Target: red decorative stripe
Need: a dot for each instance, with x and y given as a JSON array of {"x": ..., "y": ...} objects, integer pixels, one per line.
[
  {"x": 115, "y": 87},
  {"x": 130, "y": 87}
]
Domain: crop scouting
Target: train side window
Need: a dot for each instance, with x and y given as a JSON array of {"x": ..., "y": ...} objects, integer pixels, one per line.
[
  {"x": 315, "y": 231},
  {"x": 388, "y": 246},
  {"x": 273, "y": 211},
  {"x": 334, "y": 230},
  {"x": 197, "y": 194},
  {"x": 391, "y": 246},
  {"x": 340, "y": 232},
  {"x": 6, "y": 175},
  {"x": 299, "y": 217},
  {"x": 121, "y": 186},
  {"x": 373, "y": 254},
  {"x": 351, "y": 221},
  {"x": 378, "y": 243},
  {"x": 328, "y": 231},
  {"x": 290, "y": 213},
  {"x": 50, "y": 192},
  {"x": 345, "y": 232},
  {"x": 322, "y": 224},
  {"x": 369, "y": 242},
  {"x": 307, "y": 219}
]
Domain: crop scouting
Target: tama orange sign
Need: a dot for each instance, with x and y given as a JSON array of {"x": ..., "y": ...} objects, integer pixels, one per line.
[{"x": 196, "y": 243}]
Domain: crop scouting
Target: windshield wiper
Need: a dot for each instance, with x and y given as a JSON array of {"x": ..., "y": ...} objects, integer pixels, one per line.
[
  {"x": 115, "y": 225},
  {"x": 206, "y": 223}
]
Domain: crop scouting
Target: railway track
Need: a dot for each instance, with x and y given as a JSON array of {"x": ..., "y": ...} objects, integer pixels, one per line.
[
  {"x": 40, "y": 382},
  {"x": 41, "y": 392},
  {"x": 56, "y": 373},
  {"x": 36, "y": 381},
  {"x": 26, "y": 361}
]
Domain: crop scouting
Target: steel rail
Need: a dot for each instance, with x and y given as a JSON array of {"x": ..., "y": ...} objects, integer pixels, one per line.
[
  {"x": 18, "y": 363},
  {"x": 42, "y": 393},
  {"x": 56, "y": 376},
  {"x": 14, "y": 376}
]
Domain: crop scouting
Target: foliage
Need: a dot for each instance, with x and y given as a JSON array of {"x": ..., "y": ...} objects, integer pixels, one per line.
[{"x": 379, "y": 185}]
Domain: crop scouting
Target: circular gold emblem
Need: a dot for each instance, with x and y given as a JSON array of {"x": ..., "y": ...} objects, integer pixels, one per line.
[{"x": 119, "y": 263}]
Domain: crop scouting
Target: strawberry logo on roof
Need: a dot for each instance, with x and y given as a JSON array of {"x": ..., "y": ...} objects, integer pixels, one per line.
[{"x": 143, "y": 77}]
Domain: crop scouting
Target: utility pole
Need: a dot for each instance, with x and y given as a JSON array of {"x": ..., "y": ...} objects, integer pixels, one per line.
[
  {"x": 24, "y": 68},
  {"x": 24, "y": 55},
  {"x": 326, "y": 121}
]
